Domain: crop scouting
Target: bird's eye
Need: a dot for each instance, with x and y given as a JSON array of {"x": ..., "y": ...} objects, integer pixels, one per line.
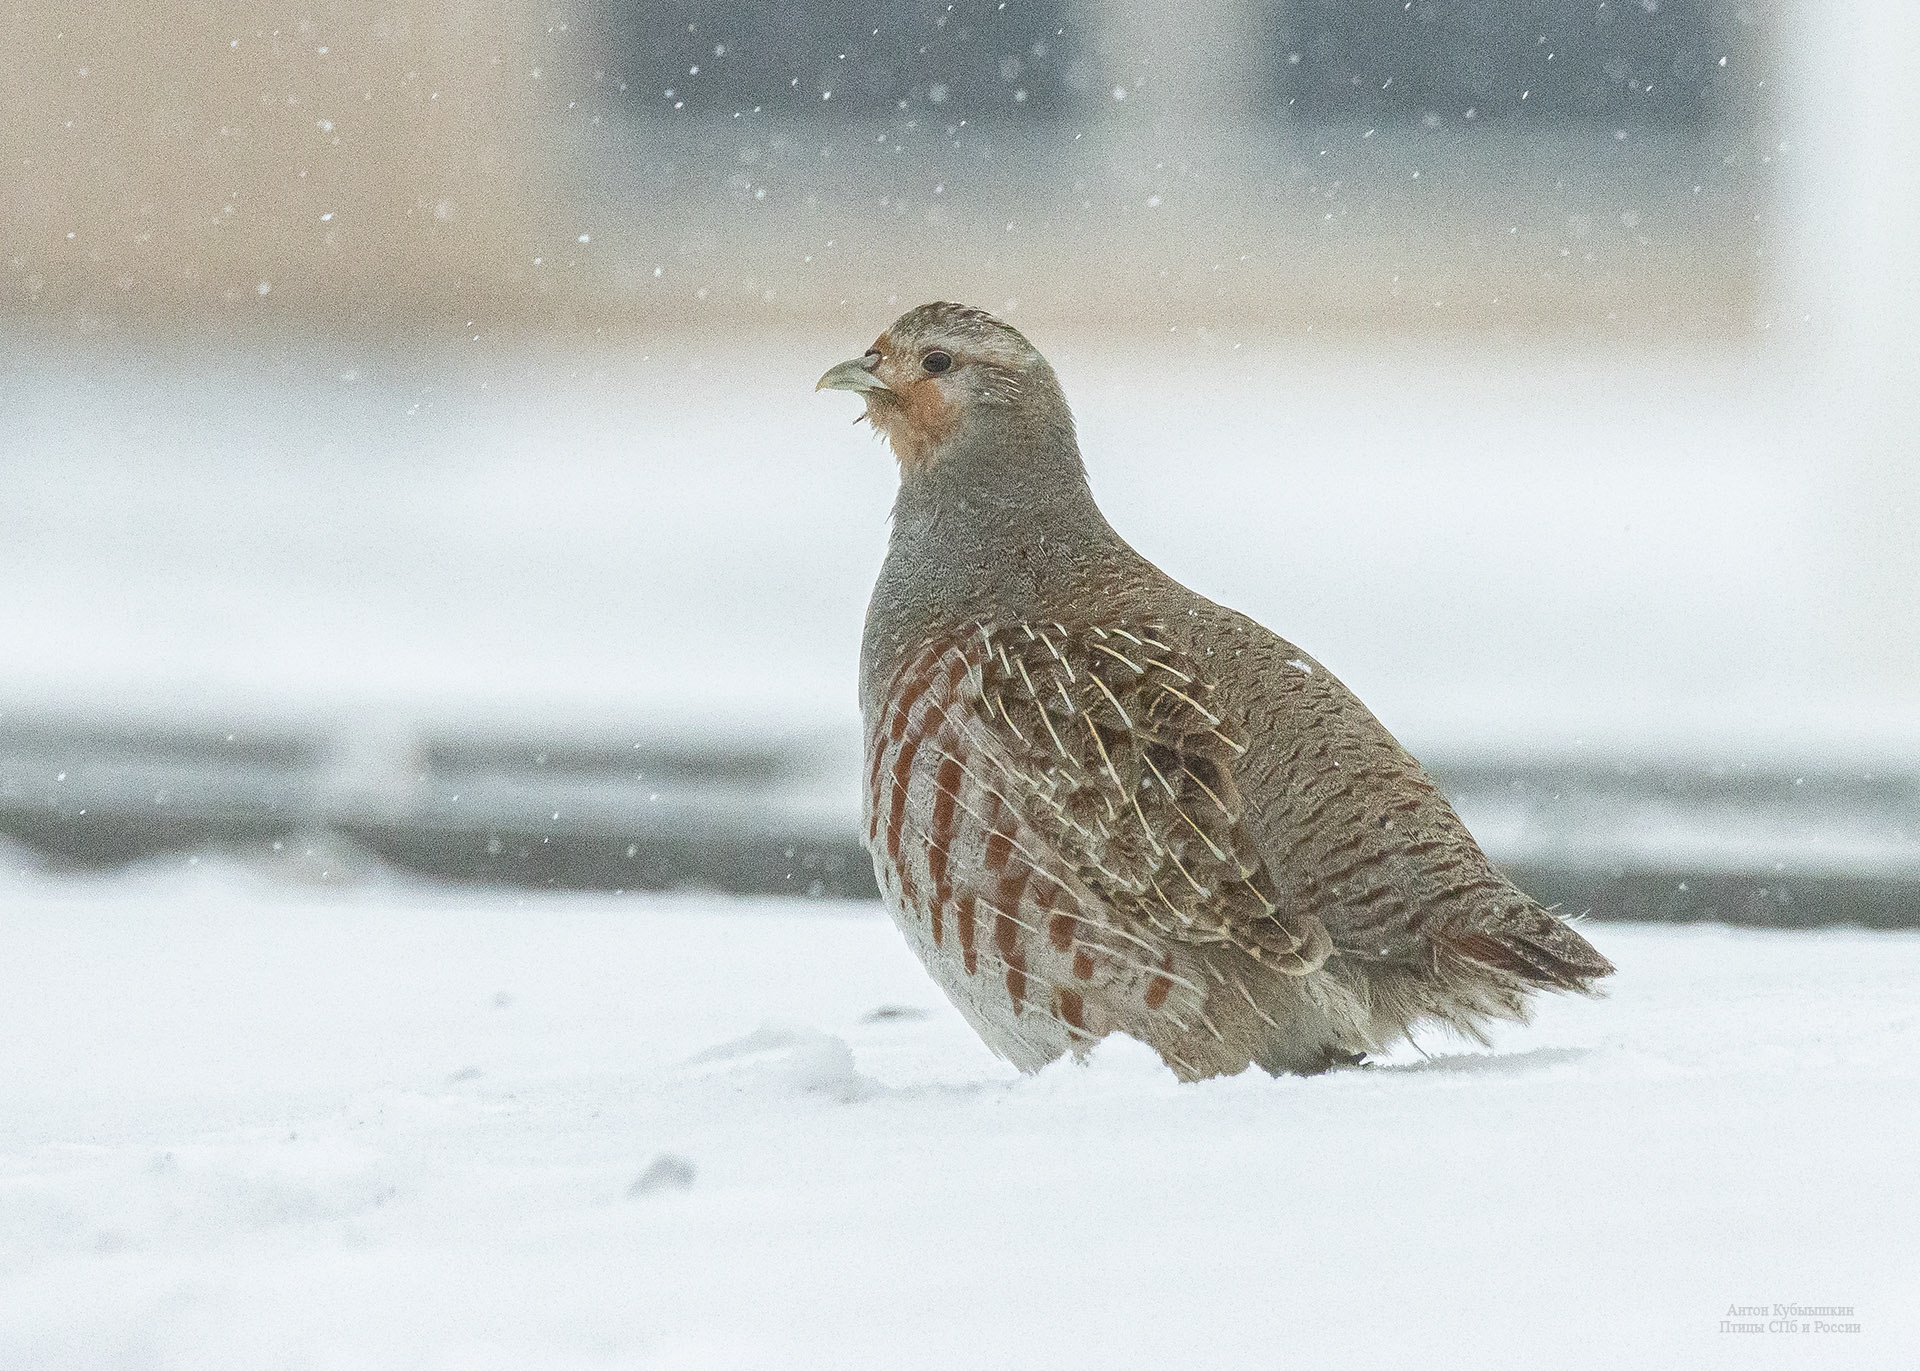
[{"x": 936, "y": 362}]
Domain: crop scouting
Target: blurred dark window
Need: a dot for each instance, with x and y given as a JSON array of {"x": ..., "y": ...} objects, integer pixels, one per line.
[
  {"x": 962, "y": 59},
  {"x": 1624, "y": 61}
]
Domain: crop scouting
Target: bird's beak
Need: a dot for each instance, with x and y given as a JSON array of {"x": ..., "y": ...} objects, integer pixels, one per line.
[{"x": 851, "y": 376}]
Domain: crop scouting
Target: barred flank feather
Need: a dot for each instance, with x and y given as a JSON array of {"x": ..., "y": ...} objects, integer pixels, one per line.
[{"x": 1059, "y": 817}]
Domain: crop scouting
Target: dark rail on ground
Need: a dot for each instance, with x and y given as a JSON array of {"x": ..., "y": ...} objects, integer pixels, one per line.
[{"x": 1770, "y": 847}]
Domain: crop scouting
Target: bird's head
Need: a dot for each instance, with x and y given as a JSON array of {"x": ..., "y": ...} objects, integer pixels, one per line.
[{"x": 943, "y": 369}]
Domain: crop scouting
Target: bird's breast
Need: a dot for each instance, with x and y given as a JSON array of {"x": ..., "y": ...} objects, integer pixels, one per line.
[{"x": 1005, "y": 925}]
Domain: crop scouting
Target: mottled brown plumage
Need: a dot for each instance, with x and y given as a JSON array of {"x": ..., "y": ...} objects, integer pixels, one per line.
[{"x": 1098, "y": 802}]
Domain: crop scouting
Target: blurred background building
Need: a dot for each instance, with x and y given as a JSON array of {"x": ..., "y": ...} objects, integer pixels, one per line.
[
  {"x": 407, "y": 444},
  {"x": 1439, "y": 165}
]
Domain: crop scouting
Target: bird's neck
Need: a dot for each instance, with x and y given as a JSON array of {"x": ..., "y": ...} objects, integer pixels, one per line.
[{"x": 1000, "y": 526}]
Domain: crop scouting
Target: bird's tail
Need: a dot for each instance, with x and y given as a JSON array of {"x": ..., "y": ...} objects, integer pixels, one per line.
[
  {"x": 1484, "y": 967},
  {"x": 1532, "y": 945}
]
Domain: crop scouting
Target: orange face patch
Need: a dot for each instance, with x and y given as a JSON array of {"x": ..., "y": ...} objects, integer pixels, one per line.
[
  {"x": 923, "y": 421},
  {"x": 916, "y": 417}
]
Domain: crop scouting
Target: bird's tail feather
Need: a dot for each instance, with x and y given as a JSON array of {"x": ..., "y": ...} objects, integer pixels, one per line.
[
  {"x": 1537, "y": 947},
  {"x": 1483, "y": 968}
]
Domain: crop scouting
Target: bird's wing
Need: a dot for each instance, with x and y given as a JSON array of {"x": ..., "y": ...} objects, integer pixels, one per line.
[
  {"x": 1101, "y": 738},
  {"x": 1355, "y": 829}
]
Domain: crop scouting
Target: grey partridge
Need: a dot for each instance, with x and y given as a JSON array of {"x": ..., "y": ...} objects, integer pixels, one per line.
[{"x": 1098, "y": 802}]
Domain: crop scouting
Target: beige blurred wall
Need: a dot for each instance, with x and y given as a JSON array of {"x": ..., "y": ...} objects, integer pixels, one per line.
[
  {"x": 348, "y": 160},
  {"x": 404, "y": 168}
]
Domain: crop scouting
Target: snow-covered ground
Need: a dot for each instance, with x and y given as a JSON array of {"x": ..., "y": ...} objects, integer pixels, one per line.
[{"x": 248, "y": 1125}]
